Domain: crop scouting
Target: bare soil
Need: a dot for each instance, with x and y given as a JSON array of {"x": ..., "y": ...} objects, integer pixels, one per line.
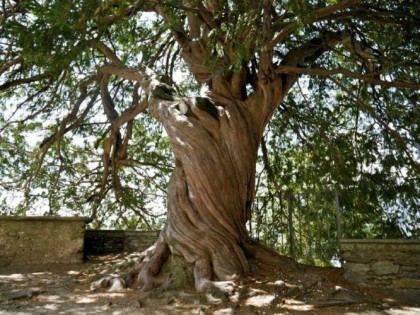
[{"x": 65, "y": 289}]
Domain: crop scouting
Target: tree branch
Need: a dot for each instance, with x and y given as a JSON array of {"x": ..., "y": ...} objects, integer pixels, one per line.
[
  {"x": 367, "y": 78},
  {"x": 136, "y": 7},
  {"x": 316, "y": 15},
  {"x": 108, "y": 53},
  {"x": 107, "y": 102},
  {"x": 64, "y": 128},
  {"x": 308, "y": 53},
  {"x": 21, "y": 81},
  {"x": 9, "y": 64}
]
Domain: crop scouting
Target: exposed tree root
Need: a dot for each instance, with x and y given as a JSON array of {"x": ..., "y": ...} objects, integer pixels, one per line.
[
  {"x": 143, "y": 274},
  {"x": 158, "y": 270},
  {"x": 266, "y": 257}
]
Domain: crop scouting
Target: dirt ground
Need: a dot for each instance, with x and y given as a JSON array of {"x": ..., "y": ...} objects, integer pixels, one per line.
[{"x": 65, "y": 289}]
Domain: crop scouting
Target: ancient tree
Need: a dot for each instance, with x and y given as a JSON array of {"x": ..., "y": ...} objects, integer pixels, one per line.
[{"x": 71, "y": 58}]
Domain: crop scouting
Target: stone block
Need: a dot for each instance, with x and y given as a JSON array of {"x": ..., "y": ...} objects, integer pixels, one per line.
[
  {"x": 357, "y": 257},
  {"x": 382, "y": 282},
  {"x": 357, "y": 267},
  {"x": 384, "y": 267},
  {"x": 406, "y": 283},
  {"x": 357, "y": 277},
  {"x": 409, "y": 272}
]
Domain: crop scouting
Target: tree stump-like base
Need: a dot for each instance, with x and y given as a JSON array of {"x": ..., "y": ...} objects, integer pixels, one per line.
[{"x": 157, "y": 271}]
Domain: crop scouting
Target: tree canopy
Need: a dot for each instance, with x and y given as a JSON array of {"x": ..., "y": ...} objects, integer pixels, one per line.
[{"x": 77, "y": 79}]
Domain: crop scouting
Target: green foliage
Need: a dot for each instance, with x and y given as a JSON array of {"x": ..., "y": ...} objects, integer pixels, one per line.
[{"x": 317, "y": 148}]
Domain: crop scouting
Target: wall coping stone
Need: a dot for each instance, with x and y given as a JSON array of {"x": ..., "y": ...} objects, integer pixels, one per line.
[
  {"x": 94, "y": 231},
  {"x": 380, "y": 241},
  {"x": 42, "y": 218}
]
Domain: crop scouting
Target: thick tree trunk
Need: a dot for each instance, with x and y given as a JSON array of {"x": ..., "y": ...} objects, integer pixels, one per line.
[
  {"x": 212, "y": 187},
  {"x": 215, "y": 141}
]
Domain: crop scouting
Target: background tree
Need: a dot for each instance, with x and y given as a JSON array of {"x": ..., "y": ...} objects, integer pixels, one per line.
[{"x": 85, "y": 74}]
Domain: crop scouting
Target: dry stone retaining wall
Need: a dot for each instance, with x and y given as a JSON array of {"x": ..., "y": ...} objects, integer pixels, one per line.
[
  {"x": 390, "y": 263},
  {"x": 41, "y": 240},
  {"x": 63, "y": 240}
]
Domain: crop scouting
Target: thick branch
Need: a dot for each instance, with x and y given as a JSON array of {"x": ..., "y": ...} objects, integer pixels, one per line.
[
  {"x": 267, "y": 52},
  {"x": 194, "y": 51},
  {"x": 367, "y": 78},
  {"x": 316, "y": 15},
  {"x": 115, "y": 147},
  {"x": 107, "y": 52},
  {"x": 130, "y": 113},
  {"x": 21, "y": 81},
  {"x": 143, "y": 76},
  {"x": 110, "y": 19},
  {"x": 107, "y": 102},
  {"x": 308, "y": 53},
  {"x": 64, "y": 128},
  {"x": 9, "y": 64}
]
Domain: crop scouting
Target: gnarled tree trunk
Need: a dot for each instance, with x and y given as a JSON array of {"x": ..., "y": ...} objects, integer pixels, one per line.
[
  {"x": 215, "y": 142},
  {"x": 212, "y": 187}
]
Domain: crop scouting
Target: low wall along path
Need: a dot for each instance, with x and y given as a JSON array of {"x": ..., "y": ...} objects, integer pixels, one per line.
[
  {"x": 41, "y": 240},
  {"x": 382, "y": 262}
]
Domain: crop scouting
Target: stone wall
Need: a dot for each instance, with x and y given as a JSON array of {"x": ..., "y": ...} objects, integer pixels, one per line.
[
  {"x": 390, "y": 263},
  {"x": 41, "y": 240},
  {"x": 99, "y": 242},
  {"x": 46, "y": 240}
]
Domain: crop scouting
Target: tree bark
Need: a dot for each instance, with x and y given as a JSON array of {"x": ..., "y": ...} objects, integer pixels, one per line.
[
  {"x": 212, "y": 187},
  {"x": 215, "y": 141}
]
